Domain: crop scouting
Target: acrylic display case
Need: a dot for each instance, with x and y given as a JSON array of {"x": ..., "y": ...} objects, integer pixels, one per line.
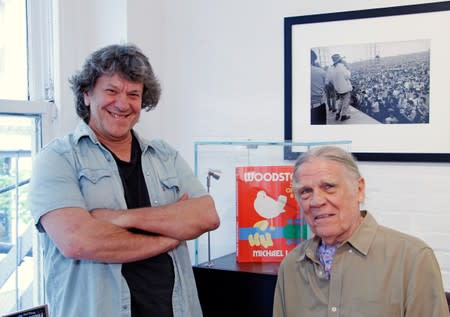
[{"x": 215, "y": 164}]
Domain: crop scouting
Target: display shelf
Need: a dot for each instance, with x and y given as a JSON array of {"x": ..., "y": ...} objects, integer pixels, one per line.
[
  {"x": 228, "y": 263},
  {"x": 228, "y": 288}
]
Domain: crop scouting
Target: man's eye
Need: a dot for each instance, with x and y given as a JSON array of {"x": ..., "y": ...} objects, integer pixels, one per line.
[{"x": 304, "y": 193}]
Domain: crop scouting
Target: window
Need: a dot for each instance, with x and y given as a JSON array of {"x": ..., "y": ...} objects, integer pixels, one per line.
[
  {"x": 26, "y": 94},
  {"x": 13, "y": 46}
]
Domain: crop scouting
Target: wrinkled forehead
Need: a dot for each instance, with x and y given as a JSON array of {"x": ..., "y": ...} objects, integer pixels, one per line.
[
  {"x": 118, "y": 80},
  {"x": 317, "y": 169}
]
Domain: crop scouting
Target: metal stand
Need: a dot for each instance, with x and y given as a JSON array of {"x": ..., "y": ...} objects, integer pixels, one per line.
[{"x": 215, "y": 175}]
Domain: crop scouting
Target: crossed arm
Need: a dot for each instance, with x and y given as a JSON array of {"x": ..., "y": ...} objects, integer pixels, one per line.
[{"x": 103, "y": 234}]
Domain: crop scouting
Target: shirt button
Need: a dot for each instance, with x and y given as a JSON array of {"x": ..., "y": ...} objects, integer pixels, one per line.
[
  {"x": 333, "y": 309},
  {"x": 350, "y": 251}
]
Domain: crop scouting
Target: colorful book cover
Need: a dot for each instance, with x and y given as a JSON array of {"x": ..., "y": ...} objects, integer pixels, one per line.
[{"x": 268, "y": 220}]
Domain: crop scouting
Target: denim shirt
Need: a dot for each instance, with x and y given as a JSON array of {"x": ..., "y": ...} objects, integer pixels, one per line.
[{"x": 77, "y": 171}]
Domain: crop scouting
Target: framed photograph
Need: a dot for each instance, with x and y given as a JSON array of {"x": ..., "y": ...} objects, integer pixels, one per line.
[
  {"x": 377, "y": 77},
  {"x": 38, "y": 311}
]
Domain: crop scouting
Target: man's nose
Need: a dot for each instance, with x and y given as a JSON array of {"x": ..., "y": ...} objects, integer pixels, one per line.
[
  {"x": 318, "y": 198},
  {"x": 122, "y": 101}
]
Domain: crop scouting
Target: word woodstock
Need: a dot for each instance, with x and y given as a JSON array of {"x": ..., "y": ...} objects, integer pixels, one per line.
[{"x": 268, "y": 219}]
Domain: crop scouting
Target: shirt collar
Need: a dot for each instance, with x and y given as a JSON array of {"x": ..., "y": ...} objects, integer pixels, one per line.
[
  {"x": 361, "y": 240},
  {"x": 84, "y": 130},
  {"x": 364, "y": 235},
  {"x": 309, "y": 250}
]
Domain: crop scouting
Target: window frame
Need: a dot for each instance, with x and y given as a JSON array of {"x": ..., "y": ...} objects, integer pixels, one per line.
[{"x": 40, "y": 103}]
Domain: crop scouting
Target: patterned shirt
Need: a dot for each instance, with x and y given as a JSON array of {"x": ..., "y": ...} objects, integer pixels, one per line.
[{"x": 325, "y": 253}]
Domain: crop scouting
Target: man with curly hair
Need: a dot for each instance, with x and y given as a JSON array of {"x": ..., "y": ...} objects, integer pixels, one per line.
[{"x": 115, "y": 210}]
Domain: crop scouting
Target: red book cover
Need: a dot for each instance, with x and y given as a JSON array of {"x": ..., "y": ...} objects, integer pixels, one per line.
[{"x": 268, "y": 220}]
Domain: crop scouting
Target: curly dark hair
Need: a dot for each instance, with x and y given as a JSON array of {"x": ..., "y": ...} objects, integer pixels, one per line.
[{"x": 126, "y": 60}]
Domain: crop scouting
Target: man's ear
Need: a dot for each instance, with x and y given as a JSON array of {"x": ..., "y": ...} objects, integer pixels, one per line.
[
  {"x": 87, "y": 99},
  {"x": 361, "y": 189}
]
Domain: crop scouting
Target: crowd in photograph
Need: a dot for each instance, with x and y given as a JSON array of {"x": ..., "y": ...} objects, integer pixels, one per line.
[{"x": 393, "y": 89}]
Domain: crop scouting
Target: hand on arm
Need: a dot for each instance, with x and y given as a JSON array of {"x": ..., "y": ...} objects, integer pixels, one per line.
[
  {"x": 78, "y": 235},
  {"x": 182, "y": 220}
]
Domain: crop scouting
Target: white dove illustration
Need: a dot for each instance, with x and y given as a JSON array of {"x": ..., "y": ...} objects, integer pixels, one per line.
[{"x": 268, "y": 207}]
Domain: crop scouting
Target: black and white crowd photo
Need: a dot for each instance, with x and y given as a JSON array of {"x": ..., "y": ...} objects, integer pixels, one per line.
[{"x": 371, "y": 83}]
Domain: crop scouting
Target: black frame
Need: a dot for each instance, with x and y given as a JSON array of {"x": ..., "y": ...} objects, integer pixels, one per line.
[
  {"x": 39, "y": 311},
  {"x": 289, "y": 22}
]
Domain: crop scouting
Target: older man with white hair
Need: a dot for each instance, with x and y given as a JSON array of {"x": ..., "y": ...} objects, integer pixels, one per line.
[{"x": 352, "y": 266}]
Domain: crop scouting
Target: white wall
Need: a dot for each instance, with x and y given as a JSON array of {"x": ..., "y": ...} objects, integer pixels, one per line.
[
  {"x": 221, "y": 67},
  {"x": 82, "y": 26}
]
